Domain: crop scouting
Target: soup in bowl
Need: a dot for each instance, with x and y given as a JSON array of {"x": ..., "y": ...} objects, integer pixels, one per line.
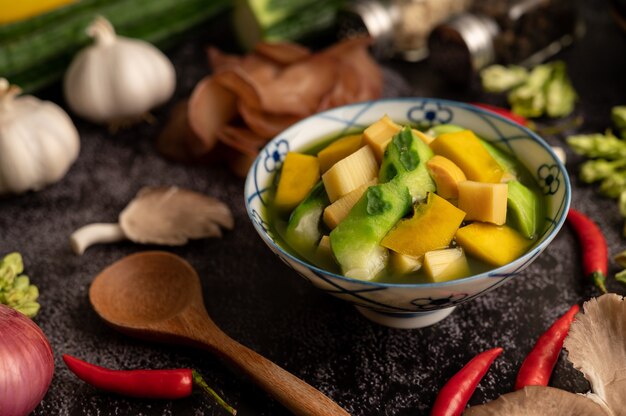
[{"x": 407, "y": 207}]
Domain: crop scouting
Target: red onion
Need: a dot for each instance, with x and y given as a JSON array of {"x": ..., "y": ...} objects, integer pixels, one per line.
[{"x": 26, "y": 363}]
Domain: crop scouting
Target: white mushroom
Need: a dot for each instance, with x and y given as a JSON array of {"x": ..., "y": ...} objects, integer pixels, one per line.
[
  {"x": 539, "y": 401},
  {"x": 163, "y": 215},
  {"x": 596, "y": 345}
]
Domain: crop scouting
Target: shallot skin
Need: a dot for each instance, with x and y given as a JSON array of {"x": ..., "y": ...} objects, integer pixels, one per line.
[{"x": 26, "y": 363}]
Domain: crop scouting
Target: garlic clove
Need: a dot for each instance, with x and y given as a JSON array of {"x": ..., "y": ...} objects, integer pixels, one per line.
[
  {"x": 38, "y": 141},
  {"x": 117, "y": 79}
]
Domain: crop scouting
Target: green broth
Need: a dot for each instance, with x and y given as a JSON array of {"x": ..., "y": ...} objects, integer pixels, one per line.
[{"x": 278, "y": 224}]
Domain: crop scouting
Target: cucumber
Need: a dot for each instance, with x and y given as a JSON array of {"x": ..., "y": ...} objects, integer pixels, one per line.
[
  {"x": 355, "y": 242},
  {"x": 523, "y": 209},
  {"x": 281, "y": 20},
  {"x": 405, "y": 159},
  {"x": 24, "y": 51},
  {"x": 304, "y": 232}
]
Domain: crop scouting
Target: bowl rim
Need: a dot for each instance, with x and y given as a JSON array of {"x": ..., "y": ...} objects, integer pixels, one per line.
[{"x": 497, "y": 272}]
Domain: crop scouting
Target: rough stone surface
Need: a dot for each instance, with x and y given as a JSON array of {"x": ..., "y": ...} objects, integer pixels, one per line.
[{"x": 255, "y": 298}]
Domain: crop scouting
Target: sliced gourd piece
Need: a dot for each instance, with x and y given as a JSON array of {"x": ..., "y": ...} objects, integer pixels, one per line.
[
  {"x": 524, "y": 209},
  {"x": 338, "y": 150},
  {"x": 298, "y": 176},
  {"x": 379, "y": 134},
  {"x": 446, "y": 175},
  {"x": 468, "y": 153},
  {"x": 494, "y": 244},
  {"x": 338, "y": 210},
  {"x": 324, "y": 255},
  {"x": 483, "y": 201},
  {"x": 303, "y": 229},
  {"x": 356, "y": 240},
  {"x": 513, "y": 169},
  {"x": 446, "y": 264},
  {"x": 405, "y": 161},
  {"x": 440, "y": 129},
  {"x": 350, "y": 173},
  {"x": 403, "y": 264},
  {"x": 425, "y": 138},
  {"x": 432, "y": 227}
]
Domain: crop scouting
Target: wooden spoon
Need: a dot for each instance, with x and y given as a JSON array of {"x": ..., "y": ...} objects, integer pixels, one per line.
[{"x": 157, "y": 295}]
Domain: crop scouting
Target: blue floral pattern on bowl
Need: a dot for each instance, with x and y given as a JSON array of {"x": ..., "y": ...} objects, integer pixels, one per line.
[{"x": 395, "y": 303}]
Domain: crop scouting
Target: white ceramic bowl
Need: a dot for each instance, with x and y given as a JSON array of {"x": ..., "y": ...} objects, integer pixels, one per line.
[{"x": 409, "y": 305}]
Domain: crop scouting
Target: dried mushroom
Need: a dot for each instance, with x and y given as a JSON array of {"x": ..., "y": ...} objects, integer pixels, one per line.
[
  {"x": 596, "y": 345},
  {"x": 539, "y": 401},
  {"x": 161, "y": 215},
  {"x": 249, "y": 99}
]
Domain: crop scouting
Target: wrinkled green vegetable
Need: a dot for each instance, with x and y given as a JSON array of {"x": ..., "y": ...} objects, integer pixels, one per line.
[
  {"x": 608, "y": 163},
  {"x": 545, "y": 91},
  {"x": 618, "y": 115},
  {"x": 598, "y": 169},
  {"x": 597, "y": 145},
  {"x": 499, "y": 78},
  {"x": 15, "y": 288}
]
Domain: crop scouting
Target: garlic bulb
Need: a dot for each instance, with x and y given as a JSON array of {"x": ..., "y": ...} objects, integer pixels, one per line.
[
  {"x": 38, "y": 141},
  {"x": 117, "y": 79}
]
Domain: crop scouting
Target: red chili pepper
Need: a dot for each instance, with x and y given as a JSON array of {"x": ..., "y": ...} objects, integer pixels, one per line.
[
  {"x": 593, "y": 245},
  {"x": 455, "y": 394},
  {"x": 147, "y": 384},
  {"x": 503, "y": 112},
  {"x": 538, "y": 365}
]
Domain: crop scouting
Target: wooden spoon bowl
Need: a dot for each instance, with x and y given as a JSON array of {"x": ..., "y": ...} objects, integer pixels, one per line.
[{"x": 157, "y": 295}]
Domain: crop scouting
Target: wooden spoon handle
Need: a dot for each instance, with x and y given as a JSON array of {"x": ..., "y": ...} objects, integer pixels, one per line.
[{"x": 295, "y": 394}]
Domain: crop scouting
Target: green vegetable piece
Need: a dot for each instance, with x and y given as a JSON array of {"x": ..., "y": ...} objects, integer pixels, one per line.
[
  {"x": 560, "y": 94},
  {"x": 528, "y": 100},
  {"x": 613, "y": 185},
  {"x": 29, "y": 309},
  {"x": 598, "y": 169},
  {"x": 499, "y": 78},
  {"x": 376, "y": 204},
  {"x": 618, "y": 115},
  {"x": 405, "y": 159},
  {"x": 303, "y": 230},
  {"x": 523, "y": 209},
  {"x": 355, "y": 242},
  {"x": 606, "y": 146},
  {"x": 440, "y": 129}
]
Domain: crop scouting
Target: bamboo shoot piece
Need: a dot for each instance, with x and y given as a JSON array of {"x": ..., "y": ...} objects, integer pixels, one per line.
[
  {"x": 350, "y": 173},
  {"x": 379, "y": 134},
  {"x": 338, "y": 210},
  {"x": 446, "y": 264},
  {"x": 485, "y": 202}
]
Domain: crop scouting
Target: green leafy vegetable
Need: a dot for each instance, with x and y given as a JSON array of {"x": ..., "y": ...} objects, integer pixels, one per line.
[{"x": 15, "y": 288}]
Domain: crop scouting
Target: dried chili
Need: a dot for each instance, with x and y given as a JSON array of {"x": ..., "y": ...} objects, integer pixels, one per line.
[
  {"x": 148, "y": 384},
  {"x": 503, "y": 112},
  {"x": 539, "y": 363},
  {"x": 455, "y": 394},
  {"x": 594, "y": 249}
]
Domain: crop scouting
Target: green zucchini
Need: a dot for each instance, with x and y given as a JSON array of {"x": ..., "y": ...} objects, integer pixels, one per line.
[
  {"x": 52, "y": 45},
  {"x": 282, "y": 20}
]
